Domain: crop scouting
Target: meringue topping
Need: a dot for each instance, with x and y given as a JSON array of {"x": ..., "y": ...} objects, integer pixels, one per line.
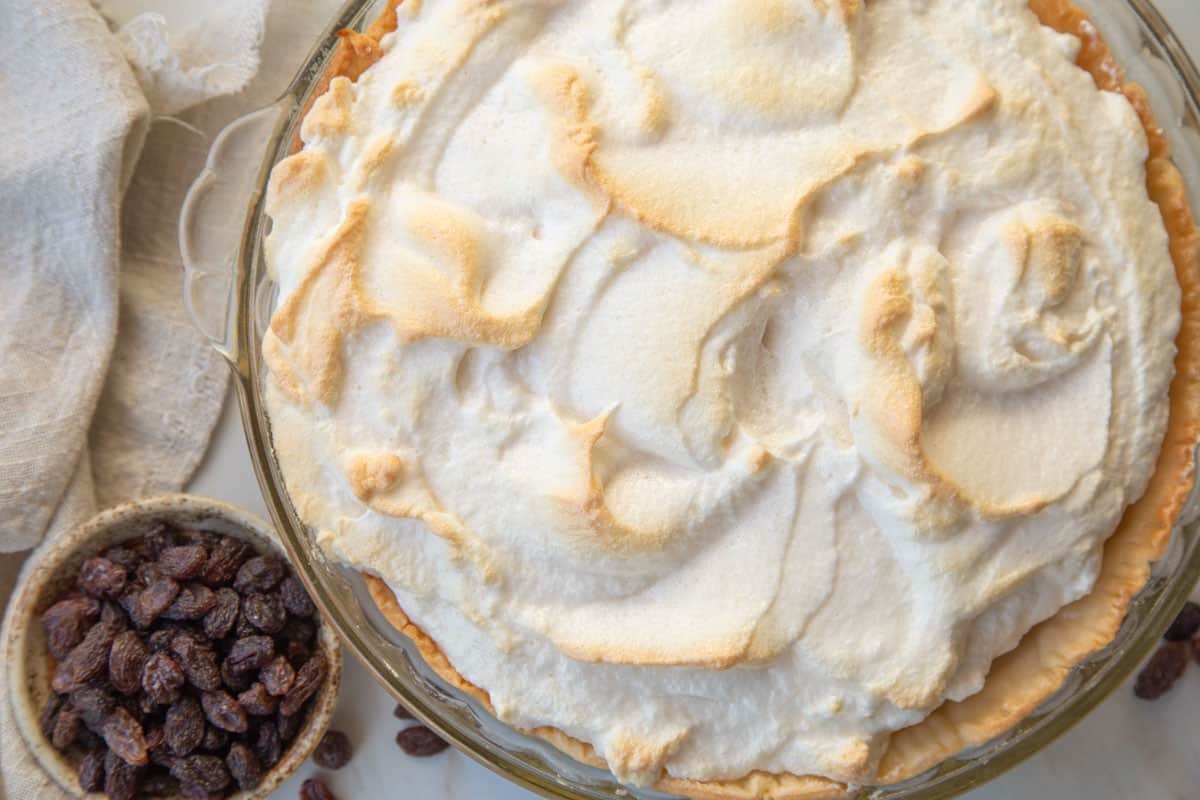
[{"x": 722, "y": 383}]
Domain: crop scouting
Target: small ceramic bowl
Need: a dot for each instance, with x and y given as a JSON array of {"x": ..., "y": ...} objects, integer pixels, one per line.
[{"x": 27, "y": 660}]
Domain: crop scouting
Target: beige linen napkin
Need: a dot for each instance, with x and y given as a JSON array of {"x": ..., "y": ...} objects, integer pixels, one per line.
[{"x": 106, "y": 390}]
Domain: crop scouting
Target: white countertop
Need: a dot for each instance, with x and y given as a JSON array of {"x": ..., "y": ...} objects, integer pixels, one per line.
[{"x": 1125, "y": 749}]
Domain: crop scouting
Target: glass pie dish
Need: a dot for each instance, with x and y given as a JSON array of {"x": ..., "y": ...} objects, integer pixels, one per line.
[{"x": 231, "y": 295}]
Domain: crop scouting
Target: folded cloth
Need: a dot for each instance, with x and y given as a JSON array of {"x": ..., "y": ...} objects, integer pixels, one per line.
[{"x": 92, "y": 412}]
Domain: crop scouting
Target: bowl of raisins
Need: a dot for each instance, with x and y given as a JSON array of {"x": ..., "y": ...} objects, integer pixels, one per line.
[{"x": 166, "y": 649}]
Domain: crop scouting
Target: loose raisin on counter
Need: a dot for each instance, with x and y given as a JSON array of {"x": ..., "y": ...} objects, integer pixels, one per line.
[
  {"x": 91, "y": 771},
  {"x": 225, "y": 560},
  {"x": 124, "y": 736},
  {"x": 420, "y": 741},
  {"x": 162, "y": 679},
  {"x": 1161, "y": 671},
  {"x": 126, "y": 660},
  {"x": 101, "y": 577},
  {"x": 295, "y": 598},
  {"x": 224, "y": 712},
  {"x": 184, "y": 727},
  {"x": 193, "y": 602},
  {"x": 243, "y": 766},
  {"x": 265, "y": 612},
  {"x": 120, "y": 778},
  {"x": 87, "y": 660},
  {"x": 333, "y": 751},
  {"x": 308, "y": 679},
  {"x": 207, "y": 772},
  {"x": 400, "y": 712},
  {"x": 259, "y": 574},
  {"x": 66, "y": 622},
  {"x": 1186, "y": 623},
  {"x": 183, "y": 562},
  {"x": 313, "y": 789}
]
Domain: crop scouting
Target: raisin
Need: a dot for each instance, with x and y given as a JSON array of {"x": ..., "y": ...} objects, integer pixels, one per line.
[
  {"x": 250, "y": 653},
  {"x": 128, "y": 601},
  {"x": 160, "y": 640},
  {"x": 297, "y": 653},
  {"x": 295, "y": 598},
  {"x": 288, "y": 725},
  {"x": 66, "y": 622},
  {"x": 420, "y": 741},
  {"x": 123, "y": 556},
  {"x": 308, "y": 679},
  {"x": 156, "y": 737},
  {"x": 244, "y": 766},
  {"x": 198, "y": 661},
  {"x": 400, "y": 712},
  {"x": 120, "y": 778},
  {"x": 113, "y": 613},
  {"x": 207, "y": 772},
  {"x": 159, "y": 783},
  {"x": 223, "y": 563},
  {"x": 162, "y": 679},
  {"x": 265, "y": 612},
  {"x": 259, "y": 574},
  {"x": 214, "y": 739},
  {"x": 1186, "y": 623},
  {"x": 1161, "y": 671},
  {"x": 224, "y": 614},
  {"x": 158, "y": 537},
  {"x": 235, "y": 681},
  {"x": 333, "y": 751},
  {"x": 268, "y": 745},
  {"x": 147, "y": 573},
  {"x": 94, "y": 704},
  {"x": 87, "y": 660},
  {"x": 242, "y": 628},
  {"x": 124, "y": 736},
  {"x": 101, "y": 577},
  {"x": 299, "y": 630},
  {"x": 278, "y": 676},
  {"x": 183, "y": 562},
  {"x": 126, "y": 660},
  {"x": 223, "y": 711},
  {"x": 258, "y": 701},
  {"x": 207, "y": 539},
  {"x": 152, "y": 601},
  {"x": 184, "y": 726},
  {"x": 66, "y": 728},
  {"x": 91, "y": 772},
  {"x": 314, "y": 789},
  {"x": 190, "y": 791},
  {"x": 49, "y": 716},
  {"x": 193, "y": 602}
]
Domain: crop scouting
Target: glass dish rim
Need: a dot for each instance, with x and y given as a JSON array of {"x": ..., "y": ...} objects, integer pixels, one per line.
[{"x": 1089, "y": 683}]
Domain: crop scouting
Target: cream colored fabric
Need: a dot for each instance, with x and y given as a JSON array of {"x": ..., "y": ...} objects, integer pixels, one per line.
[{"x": 107, "y": 392}]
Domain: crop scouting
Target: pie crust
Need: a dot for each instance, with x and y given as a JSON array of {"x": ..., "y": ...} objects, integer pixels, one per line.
[{"x": 1021, "y": 679}]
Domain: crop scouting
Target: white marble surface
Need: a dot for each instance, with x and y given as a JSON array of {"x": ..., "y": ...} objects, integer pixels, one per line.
[{"x": 1125, "y": 749}]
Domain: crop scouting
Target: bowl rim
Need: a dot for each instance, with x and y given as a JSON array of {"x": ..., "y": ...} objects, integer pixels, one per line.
[
  {"x": 1090, "y": 682},
  {"x": 46, "y": 565}
]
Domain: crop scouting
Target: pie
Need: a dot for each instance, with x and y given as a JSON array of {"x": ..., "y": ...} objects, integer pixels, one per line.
[{"x": 758, "y": 398}]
